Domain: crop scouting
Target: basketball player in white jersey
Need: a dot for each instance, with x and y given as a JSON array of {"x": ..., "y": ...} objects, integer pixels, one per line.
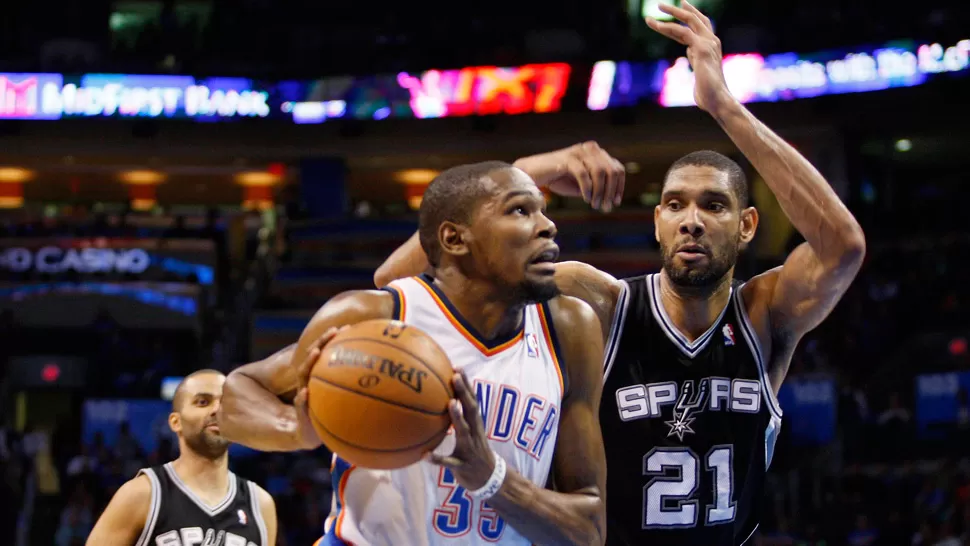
[
  {"x": 695, "y": 357},
  {"x": 195, "y": 499},
  {"x": 527, "y": 392}
]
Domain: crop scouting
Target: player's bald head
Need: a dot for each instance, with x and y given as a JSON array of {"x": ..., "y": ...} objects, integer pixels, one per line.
[{"x": 192, "y": 384}]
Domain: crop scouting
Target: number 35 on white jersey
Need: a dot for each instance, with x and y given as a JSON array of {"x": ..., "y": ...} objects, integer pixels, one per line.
[{"x": 519, "y": 384}]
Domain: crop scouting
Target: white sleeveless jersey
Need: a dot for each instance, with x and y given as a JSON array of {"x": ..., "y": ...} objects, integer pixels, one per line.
[{"x": 519, "y": 384}]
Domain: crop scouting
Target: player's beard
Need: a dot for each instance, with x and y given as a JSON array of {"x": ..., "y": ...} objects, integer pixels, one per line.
[
  {"x": 207, "y": 444},
  {"x": 529, "y": 292},
  {"x": 700, "y": 277}
]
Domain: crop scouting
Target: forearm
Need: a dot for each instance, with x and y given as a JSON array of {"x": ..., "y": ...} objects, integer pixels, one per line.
[
  {"x": 407, "y": 261},
  {"x": 805, "y": 196},
  {"x": 550, "y": 517},
  {"x": 253, "y": 416}
]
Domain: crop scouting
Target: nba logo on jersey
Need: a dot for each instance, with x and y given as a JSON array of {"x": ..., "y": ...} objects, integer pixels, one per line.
[
  {"x": 532, "y": 344},
  {"x": 242, "y": 517},
  {"x": 728, "y": 335}
]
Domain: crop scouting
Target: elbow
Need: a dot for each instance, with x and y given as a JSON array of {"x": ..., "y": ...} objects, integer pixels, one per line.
[
  {"x": 229, "y": 405},
  {"x": 853, "y": 248},
  {"x": 382, "y": 276},
  {"x": 592, "y": 531}
]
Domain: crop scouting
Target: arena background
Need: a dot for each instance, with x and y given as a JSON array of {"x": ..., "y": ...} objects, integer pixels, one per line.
[{"x": 184, "y": 183}]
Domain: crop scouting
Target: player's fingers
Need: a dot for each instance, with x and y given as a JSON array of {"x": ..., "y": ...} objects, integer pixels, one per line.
[
  {"x": 607, "y": 166},
  {"x": 301, "y": 397},
  {"x": 469, "y": 403},
  {"x": 455, "y": 411},
  {"x": 705, "y": 20},
  {"x": 620, "y": 171},
  {"x": 578, "y": 170},
  {"x": 676, "y": 32},
  {"x": 598, "y": 175},
  {"x": 443, "y": 460},
  {"x": 685, "y": 16}
]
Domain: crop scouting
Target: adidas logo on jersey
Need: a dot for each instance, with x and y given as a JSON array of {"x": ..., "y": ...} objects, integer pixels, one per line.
[{"x": 686, "y": 401}]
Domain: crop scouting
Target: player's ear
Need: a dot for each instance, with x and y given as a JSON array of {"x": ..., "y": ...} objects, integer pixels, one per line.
[
  {"x": 454, "y": 238},
  {"x": 175, "y": 422},
  {"x": 749, "y": 224},
  {"x": 656, "y": 223}
]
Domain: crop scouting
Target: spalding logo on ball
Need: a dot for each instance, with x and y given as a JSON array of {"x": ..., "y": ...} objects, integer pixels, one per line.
[{"x": 378, "y": 395}]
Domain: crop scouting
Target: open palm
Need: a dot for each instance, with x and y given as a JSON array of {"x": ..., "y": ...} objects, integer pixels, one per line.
[{"x": 703, "y": 52}]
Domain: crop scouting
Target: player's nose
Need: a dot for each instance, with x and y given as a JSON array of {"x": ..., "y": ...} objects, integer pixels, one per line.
[
  {"x": 691, "y": 223},
  {"x": 546, "y": 227}
]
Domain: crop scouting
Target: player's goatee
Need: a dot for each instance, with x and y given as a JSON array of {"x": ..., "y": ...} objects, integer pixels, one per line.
[{"x": 720, "y": 261}]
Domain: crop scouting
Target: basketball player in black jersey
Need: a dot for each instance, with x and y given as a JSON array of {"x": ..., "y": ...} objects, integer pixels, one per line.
[
  {"x": 694, "y": 359},
  {"x": 194, "y": 500}
]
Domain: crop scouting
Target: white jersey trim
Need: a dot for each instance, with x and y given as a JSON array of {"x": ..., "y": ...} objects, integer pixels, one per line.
[
  {"x": 616, "y": 329},
  {"x": 745, "y": 541},
  {"x": 211, "y": 511},
  {"x": 258, "y": 514},
  {"x": 689, "y": 348},
  {"x": 747, "y": 330},
  {"x": 154, "y": 508}
]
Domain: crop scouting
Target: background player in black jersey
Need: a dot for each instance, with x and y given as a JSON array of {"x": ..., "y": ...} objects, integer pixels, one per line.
[
  {"x": 195, "y": 499},
  {"x": 694, "y": 359}
]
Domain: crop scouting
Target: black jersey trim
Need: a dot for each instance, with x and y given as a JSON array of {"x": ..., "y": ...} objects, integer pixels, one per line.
[
  {"x": 210, "y": 510},
  {"x": 399, "y": 303},
  {"x": 616, "y": 329},
  {"x": 257, "y": 513},
  {"x": 489, "y": 347},
  {"x": 153, "y": 510},
  {"x": 689, "y": 348},
  {"x": 549, "y": 329},
  {"x": 754, "y": 344}
]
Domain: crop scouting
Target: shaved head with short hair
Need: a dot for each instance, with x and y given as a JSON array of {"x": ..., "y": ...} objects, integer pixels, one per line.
[
  {"x": 178, "y": 399},
  {"x": 452, "y": 197}
]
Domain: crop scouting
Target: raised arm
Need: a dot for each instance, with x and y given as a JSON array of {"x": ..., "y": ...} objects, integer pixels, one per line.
[
  {"x": 801, "y": 293},
  {"x": 123, "y": 520},
  {"x": 576, "y": 512},
  {"x": 582, "y": 170},
  {"x": 263, "y": 403}
]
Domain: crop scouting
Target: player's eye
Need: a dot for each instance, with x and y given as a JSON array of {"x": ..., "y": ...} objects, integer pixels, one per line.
[
  {"x": 716, "y": 207},
  {"x": 202, "y": 402},
  {"x": 519, "y": 209},
  {"x": 673, "y": 205}
]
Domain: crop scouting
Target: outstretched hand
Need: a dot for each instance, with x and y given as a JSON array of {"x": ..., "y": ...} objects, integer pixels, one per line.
[
  {"x": 582, "y": 170},
  {"x": 472, "y": 461},
  {"x": 695, "y": 31}
]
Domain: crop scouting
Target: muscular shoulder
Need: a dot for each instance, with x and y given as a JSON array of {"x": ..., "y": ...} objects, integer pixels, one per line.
[
  {"x": 366, "y": 304},
  {"x": 266, "y": 503},
  {"x": 135, "y": 496},
  {"x": 598, "y": 289},
  {"x": 345, "y": 309},
  {"x": 756, "y": 296},
  {"x": 578, "y": 330},
  {"x": 572, "y": 314}
]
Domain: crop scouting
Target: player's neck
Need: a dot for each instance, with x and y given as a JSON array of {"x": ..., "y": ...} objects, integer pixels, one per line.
[
  {"x": 481, "y": 304},
  {"x": 693, "y": 312},
  {"x": 203, "y": 474}
]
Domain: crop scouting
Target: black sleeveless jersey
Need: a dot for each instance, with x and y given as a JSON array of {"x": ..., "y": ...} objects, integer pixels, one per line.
[
  {"x": 689, "y": 427},
  {"x": 178, "y": 517}
]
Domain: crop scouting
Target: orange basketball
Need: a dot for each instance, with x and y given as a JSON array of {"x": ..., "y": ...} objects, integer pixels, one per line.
[{"x": 378, "y": 395}]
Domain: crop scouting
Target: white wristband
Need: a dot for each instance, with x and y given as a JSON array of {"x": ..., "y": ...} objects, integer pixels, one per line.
[{"x": 494, "y": 482}]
